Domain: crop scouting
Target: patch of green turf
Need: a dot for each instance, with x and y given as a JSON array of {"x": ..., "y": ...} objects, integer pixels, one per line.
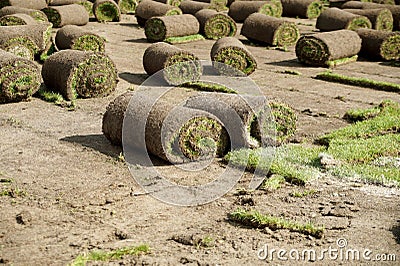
[
  {"x": 302, "y": 194},
  {"x": 273, "y": 182},
  {"x": 13, "y": 192},
  {"x": 356, "y": 115},
  {"x": 56, "y": 98},
  {"x": 184, "y": 39},
  {"x": 341, "y": 61}
]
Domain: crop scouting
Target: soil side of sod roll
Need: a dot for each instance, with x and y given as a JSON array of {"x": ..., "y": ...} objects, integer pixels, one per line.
[
  {"x": 192, "y": 7},
  {"x": 16, "y": 19},
  {"x": 240, "y": 10},
  {"x": 381, "y": 19},
  {"x": 148, "y": 9},
  {"x": 215, "y": 25},
  {"x": 336, "y": 19},
  {"x": 75, "y": 73},
  {"x": 19, "y": 78},
  {"x": 36, "y": 14},
  {"x": 74, "y": 37},
  {"x": 106, "y": 10},
  {"x": 380, "y": 44},
  {"x": 301, "y": 8},
  {"x": 67, "y": 15},
  {"x": 32, "y": 4}
]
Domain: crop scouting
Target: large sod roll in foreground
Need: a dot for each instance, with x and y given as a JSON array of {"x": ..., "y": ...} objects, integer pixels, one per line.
[
  {"x": 19, "y": 78},
  {"x": 76, "y": 38},
  {"x": 67, "y": 15},
  {"x": 192, "y": 7},
  {"x": 33, "y": 4},
  {"x": 16, "y": 19},
  {"x": 240, "y": 10},
  {"x": 381, "y": 19},
  {"x": 160, "y": 28},
  {"x": 84, "y": 74},
  {"x": 380, "y": 44},
  {"x": 215, "y": 25},
  {"x": 336, "y": 19},
  {"x": 148, "y": 9},
  {"x": 325, "y": 49},
  {"x": 231, "y": 52},
  {"x": 272, "y": 31},
  {"x": 301, "y": 8},
  {"x": 36, "y": 14},
  {"x": 106, "y": 10},
  {"x": 180, "y": 66}
]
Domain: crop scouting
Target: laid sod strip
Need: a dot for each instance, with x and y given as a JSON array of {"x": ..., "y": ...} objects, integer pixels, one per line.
[
  {"x": 160, "y": 28},
  {"x": 74, "y": 37},
  {"x": 301, "y": 8},
  {"x": 83, "y": 74},
  {"x": 36, "y": 14},
  {"x": 380, "y": 44},
  {"x": 179, "y": 66},
  {"x": 127, "y": 6},
  {"x": 16, "y": 19},
  {"x": 32, "y": 4},
  {"x": 381, "y": 19},
  {"x": 147, "y": 9},
  {"x": 192, "y": 7},
  {"x": 260, "y": 28},
  {"x": 240, "y": 10},
  {"x": 257, "y": 220},
  {"x": 170, "y": 2},
  {"x": 207, "y": 86},
  {"x": 230, "y": 52},
  {"x": 19, "y": 78},
  {"x": 67, "y": 15},
  {"x": 106, "y": 11},
  {"x": 360, "y": 82},
  {"x": 322, "y": 48},
  {"x": 333, "y": 18},
  {"x": 184, "y": 39},
  {"x": 356, "y": 115},
  {"x": 214, "y": 25}
]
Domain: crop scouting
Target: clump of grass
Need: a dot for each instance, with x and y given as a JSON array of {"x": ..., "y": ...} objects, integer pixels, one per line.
[
  {"x": 258, "y": 220},
  {"x": 356, "y": 115},
  {"x": 184, "y": 39},
  {"x": 206, "y": 242},
  {"x": 208, "y": 86},
  {"x": 302, "y": 194},
  {"x": 272, "y": 183},
  {"x": 110, "y": 255},
  {"x": 56, "y": 98},
  {"x": 13, "y": 193},
  {"x": 291, "y": 72}
]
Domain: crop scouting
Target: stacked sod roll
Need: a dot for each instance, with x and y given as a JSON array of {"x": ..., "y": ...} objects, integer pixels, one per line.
[
  {"x": 381, "y": 19},
  {"x": 32, "y": 4},
  {"x": 232, "y": 57},
  {"x": 240, "y": 10},
  {"x": 336, "y": 19},
  {"x": 269, "y": 30},
  {"x": 215, "y": 25},
  {"x": 301, "y": 8},
  {"x": 148, "y": 9},
  {"x": 192, "y": 7},
  {"x": 19, "y": 78},
  {"x": 16, "y": 19},
  {"x": 127, "y": 6},
  {"x": 76, "y": 38},
  {"x": 106, "y": 10},
  {"x": 36, "y": 14},
  {"x": 178, "y": 66},
  {"x": 67, "y": 15},
  {"x": 74, "y": 73},
  {"x": 324, "y": 49},
  {"x": 380, "y": 44},
  {"x": 170, "y": 2}
]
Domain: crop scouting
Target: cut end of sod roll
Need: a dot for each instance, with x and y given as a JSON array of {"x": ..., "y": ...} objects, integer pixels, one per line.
[
  {"x": 106, "y": 11},
  {"x": 74, "y": 37},
  {"x": 16, "y": 19},
  {"x": 215, "y": 25}
]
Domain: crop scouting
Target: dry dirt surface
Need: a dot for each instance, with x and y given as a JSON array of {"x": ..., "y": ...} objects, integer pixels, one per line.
[{"x": 71, "y": 193}]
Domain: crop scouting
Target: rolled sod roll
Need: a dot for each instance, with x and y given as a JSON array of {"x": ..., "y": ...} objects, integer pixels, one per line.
[
  {"x": 301, "y": 8},
  {"x": 76, "y": 38},
  {"x": 67, "y": 15},
  {"x": 75, "y": 73},
  {"x": 160, "y": 28},
  {"x": 219, "y": 5},
  {"x": 321, "y": 48},
  {"x": 180, "y": 66},
  {"x": 32, "y": 4},
  {"x": 127, "y": 6},
  {"x": 215, "y": 25},
  {"x": 336, "y": 19},
  {"x": 240, "y": 10},
  {"x": 192, "y": 7},
  {"x": 148, "y": 9},
  {"x": 269, "y": 30},
  {"x": 170, "y": 2},
  {"x": 381, "y": 19},
  {"x": 380, "y": 44},
  {"x": 36, "y": 14},
  {"x": 19, "y": 78},
  {"x": 106, "y": 10},
  {"x": 231, "y": 52},
  {"x": 16, "y": 19},
  {"x": 26, "y": 41}
]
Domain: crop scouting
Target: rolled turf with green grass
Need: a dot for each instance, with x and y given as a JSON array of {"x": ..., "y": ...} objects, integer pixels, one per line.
[
  {"x": 147, "y": 9},
  {"x": 380, "y": 44},
  {"x": 76, "y": 38},
  {"x": 218, "y": 5},
  {"x": 170, "y": 2},
  {"x": 106, "y": 11},
  {"x": 231, "y": 52},
  {"x": 180, "y": 66},
  {"x": 17, "y": 19},
  {"x": 336, "y": 19},
  {"x": 301, "y": 8},
  {"x": 32, "y": 4},
  {"x": 381, "y": 19},
  {"x": 269, "y": 30},
  {"x": 323, "y": 49},
  {"x": 67, "y": 15},
  {"x": 19, "y": 78},
  {"x": 127, "y": 6},
  {"x": 215, "y": 25},
  {"x": 240, "y": 10},
  {"x": 192, "y": 7},
  {"x": 36, "y": 14},
  {"x": 74, "y": 73}
]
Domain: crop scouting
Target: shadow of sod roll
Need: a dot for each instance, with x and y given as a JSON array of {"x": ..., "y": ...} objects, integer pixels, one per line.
[
  {"x": 240, "y": 10},
  {"x": 215, "y": 25},
  {"x": 147, "y": 9},
  {"x": 76, "y": 38},
  {"x": 106, "y": 10},
  {"x": 36, "y": 14},
  {"x": 337, "y": 19},
  {"x": 67, "y": 15}
]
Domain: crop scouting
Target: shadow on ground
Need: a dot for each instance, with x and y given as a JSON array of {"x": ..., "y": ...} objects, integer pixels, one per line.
[
  {"x": 133, "y": 78},
  {"x": 396, "y": 232},
  {"x": 134, "y": 25},
  {"x": 140, "y": 40},
  {"x": 288, "y": 63},
  {"x": 96, "y": 142}
]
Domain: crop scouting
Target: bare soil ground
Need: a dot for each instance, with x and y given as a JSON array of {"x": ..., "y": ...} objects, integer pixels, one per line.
[{"x": 72, "y": 195}]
